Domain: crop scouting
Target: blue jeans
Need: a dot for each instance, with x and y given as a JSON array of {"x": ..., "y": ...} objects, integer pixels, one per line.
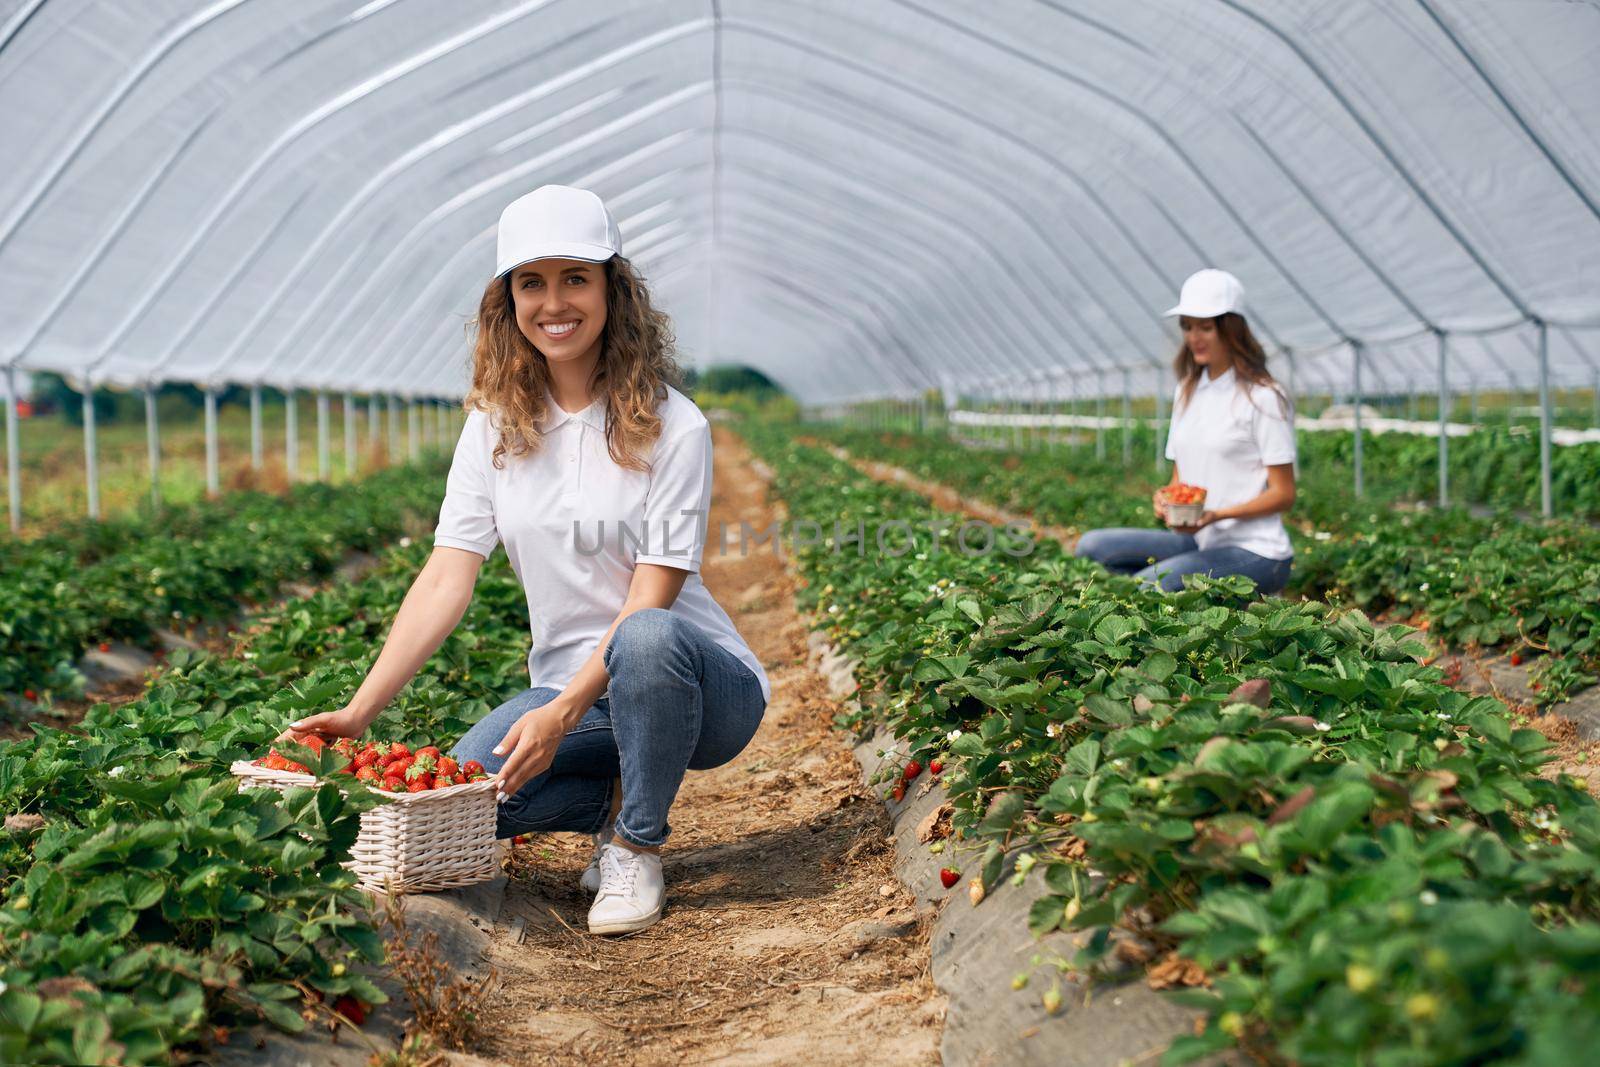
[
  {"x": 1129, "y": 550},
  {"x": 677, "y": 701}
]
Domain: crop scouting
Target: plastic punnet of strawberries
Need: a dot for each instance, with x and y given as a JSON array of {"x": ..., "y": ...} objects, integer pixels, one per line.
[
  {"x": 1183, "y": 493},
  {"x": 392, "y": 768}
]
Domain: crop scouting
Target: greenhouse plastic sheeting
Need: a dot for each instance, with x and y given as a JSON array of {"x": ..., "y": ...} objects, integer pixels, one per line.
[{"x": 861, "y": 198}]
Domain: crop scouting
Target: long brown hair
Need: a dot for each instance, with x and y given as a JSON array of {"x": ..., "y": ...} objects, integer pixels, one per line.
[
  {"x": 1249, "y": 359},
  {"x": 511, "y": 378}
]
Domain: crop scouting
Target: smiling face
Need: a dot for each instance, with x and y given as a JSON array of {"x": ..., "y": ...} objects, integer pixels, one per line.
[
  {"x": 560, "y": 305},
  {"x": 1205, "y": 342}
]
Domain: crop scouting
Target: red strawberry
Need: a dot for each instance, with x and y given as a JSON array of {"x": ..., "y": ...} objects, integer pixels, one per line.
[
  {"x": 420, "y": 785},
  {"x": 935, "y": 768},
  {"x": 104, "y": 647},
  {"x": 447, "y": 767},
  {"x": 472, "y": 767},
  {"x": 441, "y": 782},
  {"x": 429, "y": 751},
  {"x": 480, "y": 777},
  {"x": 29, "y": 694},
  {"x": 351, "y": 1009},
  {"x": 398, "y": 766},
  {"x": 460, "y": 779},
  {"x": 1516, "y": 659},
  {"x": 367, "y": 773},
  {"x": 398, "y": 749},
  {"x": 899, "y": 793},
  {"x": 393, "y": 785},
  {"x": 314, "y": 742},
  {"x": 913, "y": 768},
  {"x": 948, "y": 876}
]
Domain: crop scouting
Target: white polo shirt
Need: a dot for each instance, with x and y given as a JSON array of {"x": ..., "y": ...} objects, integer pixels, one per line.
[
  {"x": 1223, "y": 441},
  {"x": 575, "y": 524}
]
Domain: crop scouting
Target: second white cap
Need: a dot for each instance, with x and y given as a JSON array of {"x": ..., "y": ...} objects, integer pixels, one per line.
[
  {"x": 1209, "y": 293},
  {"x": 556, "y": 222}
]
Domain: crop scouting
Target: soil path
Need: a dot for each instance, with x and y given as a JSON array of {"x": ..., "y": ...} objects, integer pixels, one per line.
[{"x": 786, "y": 940}]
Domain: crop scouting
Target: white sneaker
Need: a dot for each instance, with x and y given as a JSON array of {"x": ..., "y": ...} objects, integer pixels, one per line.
[
  {"x": 590, "y": 881},
  {"x": 631, "y": 891}
]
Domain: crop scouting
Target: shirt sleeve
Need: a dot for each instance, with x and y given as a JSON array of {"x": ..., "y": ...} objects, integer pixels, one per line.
[
  {"x": 677, "y": 505},
  {"x": 1172, "y": 422},
  {"x": 1273, "y": 427},
  {"x": 466, "y": 518}
]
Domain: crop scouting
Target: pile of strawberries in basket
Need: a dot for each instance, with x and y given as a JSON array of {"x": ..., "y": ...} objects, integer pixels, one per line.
[{"x": 393, "y": 767}]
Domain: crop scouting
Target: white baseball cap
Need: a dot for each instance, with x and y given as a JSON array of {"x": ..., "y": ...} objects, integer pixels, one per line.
[
  {"x": 555, "y": 222},
  {"x": 1209, "y": 293}
]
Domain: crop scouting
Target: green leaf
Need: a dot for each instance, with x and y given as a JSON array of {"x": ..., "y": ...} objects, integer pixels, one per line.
[
  {"x": 1084, "y": 757},
  {"x": 1046, "y": 914},
  {"x": 1109, "y": 711}
]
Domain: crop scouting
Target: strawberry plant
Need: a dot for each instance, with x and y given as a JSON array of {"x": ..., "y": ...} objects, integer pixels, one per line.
[
  {"x": 65, "y": 593},
  {"x": 1366, "y": 861},
  {"x": 1477, "y": 582},
  {"x": 145, "y": 900}
]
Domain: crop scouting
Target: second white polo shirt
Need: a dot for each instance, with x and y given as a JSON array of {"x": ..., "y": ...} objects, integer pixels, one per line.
[{"x": 1224, "y": 440}]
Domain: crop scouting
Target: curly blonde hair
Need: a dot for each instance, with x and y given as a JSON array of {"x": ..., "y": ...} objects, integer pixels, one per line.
[{"x": 511, "y": 378}]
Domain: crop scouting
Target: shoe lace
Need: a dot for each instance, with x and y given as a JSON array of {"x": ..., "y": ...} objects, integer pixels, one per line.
[{"x": 619, "y": 869}]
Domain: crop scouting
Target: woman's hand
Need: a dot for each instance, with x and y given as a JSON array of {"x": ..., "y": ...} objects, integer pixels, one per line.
[
  {"x": 531, "y": 742},
  {"x": 342, "y": 723},
  {"x": 1206, "y": 519}
]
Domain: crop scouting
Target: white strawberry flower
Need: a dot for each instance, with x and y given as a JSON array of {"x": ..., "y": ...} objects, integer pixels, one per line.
[
  {"x": 952, "y": 735},
  {"x": 1323, "y": 727},
  {"x": 1053, "y": 730},
  {"x": 1428, "y": 897},
  {"x": 117, "y": 771}
]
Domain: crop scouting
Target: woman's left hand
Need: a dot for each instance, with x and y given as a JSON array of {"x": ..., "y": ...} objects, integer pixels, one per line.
[
  {"x": 531, "y": 742},
  {"x": 1206, "y": 519}
]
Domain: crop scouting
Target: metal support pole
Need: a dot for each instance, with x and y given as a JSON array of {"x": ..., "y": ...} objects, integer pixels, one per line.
[
  {"x": 1072, "y": 415},
  {"x": 91, "y": 463},
  {"x": 1015, "y": 404},
  {"x": 1288, "y": 356},
  {"x": 1161, "y": 441},
  {"x": 1444, "y": 419},
  {"x": 1355, "y": 407},
  {"x": 211, "y": 442},
  {"x": 291, "y": 437},
  {"x": 1127, "y": 420},
  {"x": 152, "y": 444},
  {"x": 1100, "y": 418},
  {"x": 413, "y": 431},
  {"x": 255, "y": 427},
  {"x": 1472, "y": 393},
  {"x": 394, "y": 428},
  {"x": 349, "y": 409},
  {"x": 323, "y": 463},
  {"x": 1546, "y": 503},
  {"x": 13, "y": 461},
  {"x": 374, "y": 423}
]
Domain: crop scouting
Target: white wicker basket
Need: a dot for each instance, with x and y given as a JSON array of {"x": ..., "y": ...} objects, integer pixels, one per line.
[{"x": 414, "y": 842}]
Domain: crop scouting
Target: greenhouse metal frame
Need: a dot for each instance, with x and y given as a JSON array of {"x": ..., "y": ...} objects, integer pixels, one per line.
[{"x": 863, "y": 201}]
